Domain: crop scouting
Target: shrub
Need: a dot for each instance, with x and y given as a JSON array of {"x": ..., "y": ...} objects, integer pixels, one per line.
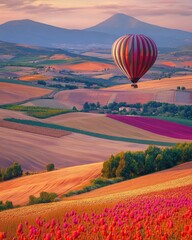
[
  {"x": 50, "y": 167},
  {"x": 44, "y": 197},
  {"x": 6, "y": 205},
  {"x": 11, "y": 172}
]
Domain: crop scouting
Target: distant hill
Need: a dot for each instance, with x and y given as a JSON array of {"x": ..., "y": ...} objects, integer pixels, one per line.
[
  {"x": 40, "y": 34},
  {"x": 101, "y": 35},
  {"x": 121, "y": 24}
]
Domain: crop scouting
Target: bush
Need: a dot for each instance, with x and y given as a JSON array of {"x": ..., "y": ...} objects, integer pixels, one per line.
[
  {"x": 11, "y": 172},
  {"x": 44, "y": 197},
  {"x": 6, "y": 205},
  {"x": 50, "y": 167}
]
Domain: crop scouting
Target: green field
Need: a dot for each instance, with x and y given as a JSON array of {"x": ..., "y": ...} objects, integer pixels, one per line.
[
  {"x": 93, "y": 134},
  {"x": 37, "y": 112}
]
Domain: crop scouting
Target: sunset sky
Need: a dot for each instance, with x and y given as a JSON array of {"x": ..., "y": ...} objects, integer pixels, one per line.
[{"x": 85, "y": 13}]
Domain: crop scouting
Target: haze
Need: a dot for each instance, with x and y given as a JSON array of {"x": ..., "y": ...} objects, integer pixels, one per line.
[{"x": 85, "y": 13}]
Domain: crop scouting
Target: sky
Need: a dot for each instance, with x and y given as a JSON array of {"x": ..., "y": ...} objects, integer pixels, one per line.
[{"x": 79, "y": 14}]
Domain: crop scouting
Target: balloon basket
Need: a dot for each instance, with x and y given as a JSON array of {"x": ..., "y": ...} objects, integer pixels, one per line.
[{"x": 134, "y": 85}]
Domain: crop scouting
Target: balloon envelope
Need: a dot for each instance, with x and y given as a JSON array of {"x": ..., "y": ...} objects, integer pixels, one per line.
[{"x": 134, "y": 54}]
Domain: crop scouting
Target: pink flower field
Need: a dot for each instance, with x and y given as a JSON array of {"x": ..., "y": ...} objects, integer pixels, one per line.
[
  {"x": 161, "y": 215},
  {"x": 161, "y": 127}
]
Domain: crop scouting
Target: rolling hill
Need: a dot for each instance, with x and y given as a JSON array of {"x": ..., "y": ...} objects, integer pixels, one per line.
[
  {"x": 163, "y": 90},
  {"x": 34, "y": 151},
  {"x": 58, "y": 181}
]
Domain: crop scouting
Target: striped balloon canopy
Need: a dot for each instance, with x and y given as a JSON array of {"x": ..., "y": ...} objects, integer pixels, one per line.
[{"x": 134, "y": 54}]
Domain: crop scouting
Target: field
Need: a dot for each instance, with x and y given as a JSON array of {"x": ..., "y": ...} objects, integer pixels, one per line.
[
  {"x": 86, "y": 66},
  {"x": 163, "y": 90},
  {"x": 11, "y": 93},
  {"x": 35, "y": 77},
  {"x": 95, "y": 205},
  {"x": 35, "y": 151},
  {"x": 104, "y": 125},
  {"x": 161, "y": 127},
  {"x": 37, "y": 112},
  {"x": 59, "y": 181},
  {"x": 34, "y": 130}
]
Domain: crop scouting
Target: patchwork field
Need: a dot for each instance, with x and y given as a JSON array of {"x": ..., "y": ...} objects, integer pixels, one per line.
[
  {"x": 163, "y": 90},
  {"x": 101, "y": 124},
  {"x": 58, "y": 181},
  {"x": 35, "y": 151},
  {"x": 11, "y": 93}
]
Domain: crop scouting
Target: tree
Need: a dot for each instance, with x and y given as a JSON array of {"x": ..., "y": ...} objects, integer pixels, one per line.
[
  {"x": 50, "y": 167},
  {"x": 86, "y": 107}
]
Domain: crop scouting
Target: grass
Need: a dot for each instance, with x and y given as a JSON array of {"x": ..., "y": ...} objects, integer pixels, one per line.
[
  {"x": 93, "y": 134},
  {"x": 35, "y": 111}
]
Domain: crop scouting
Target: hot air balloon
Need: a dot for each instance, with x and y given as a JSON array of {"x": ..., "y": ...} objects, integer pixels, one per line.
[{"x": 134, "y": 54}]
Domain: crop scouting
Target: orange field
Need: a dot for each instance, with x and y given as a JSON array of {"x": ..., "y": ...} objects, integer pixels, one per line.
[
  {"x": 12, "y": 93},
  {"x": 59, "y": 57},
  {"x": 34, "y": 151},
  {"x": 86, "y": 66},
  {"x": 101, "y": 124},
  {"x": 34, "y": 77},
  {"x": 58, "y": 181}
]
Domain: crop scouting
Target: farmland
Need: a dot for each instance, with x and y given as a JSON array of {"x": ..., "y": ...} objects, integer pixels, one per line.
[
  {"x": 34, "y": 151},
  {"x": 98, "y": 123},
  {"x": 37, "y": 112},
  {"x": 34, "y": 130},
  {"x": 11, "y": 93},
  {"x": 164, "y": 90},
  {"x": 59, "y": 181},
  {"x": 164, "y": 191},
  {"x": 161, "y": 127}
]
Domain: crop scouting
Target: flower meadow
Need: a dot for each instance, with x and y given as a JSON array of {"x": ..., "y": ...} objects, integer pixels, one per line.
[
  {"x": 161, "y": 215},
  {"x": 157, "y": 126}
]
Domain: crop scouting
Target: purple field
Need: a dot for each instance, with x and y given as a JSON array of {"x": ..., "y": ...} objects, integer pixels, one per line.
[{"x": 161, "y": 127}]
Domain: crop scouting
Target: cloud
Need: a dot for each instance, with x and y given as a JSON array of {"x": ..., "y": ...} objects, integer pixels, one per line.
[{"x": 16, "y": 3}]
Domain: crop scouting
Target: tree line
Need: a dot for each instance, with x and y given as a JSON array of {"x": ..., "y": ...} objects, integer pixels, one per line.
[
  {"x": 151, "y": 108},
  {"x": 129, "y": 164}
]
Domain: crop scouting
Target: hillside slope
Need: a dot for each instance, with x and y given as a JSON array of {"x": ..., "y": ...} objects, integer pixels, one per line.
[{"x": 58, "y": 181}]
